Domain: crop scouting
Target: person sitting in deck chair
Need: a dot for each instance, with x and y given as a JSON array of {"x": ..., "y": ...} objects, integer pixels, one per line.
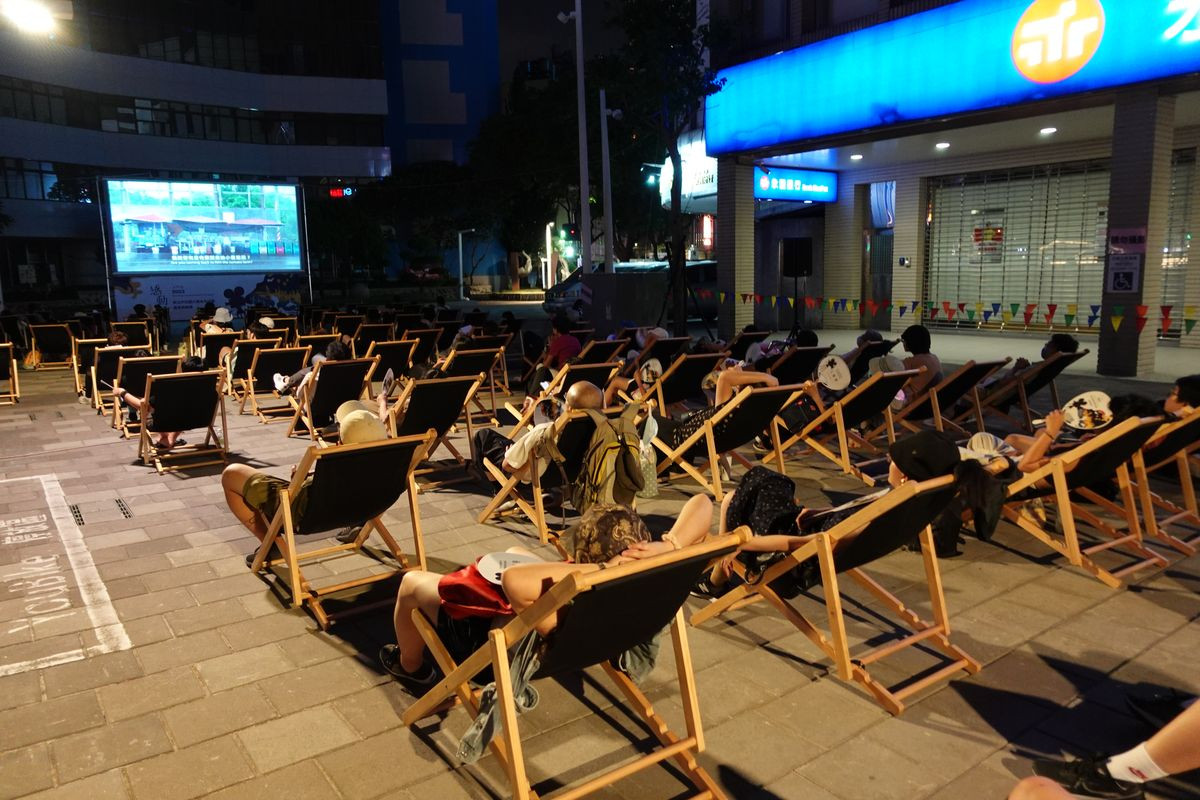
[
  {"x": 166, "y": 439},
  {"x": 253, "y": 496},
  {"x": 917, "y": 341},
  {"x": 864, "y": 340},
  {"x": 337, "y": 350},
  {"x": 560, "y": 349},
  {"x": 606, "y": 535},
  {"x": 730, "y": 379},
  {"x": 513, "y": 457},
  {"x": 1057, "y": 343}
]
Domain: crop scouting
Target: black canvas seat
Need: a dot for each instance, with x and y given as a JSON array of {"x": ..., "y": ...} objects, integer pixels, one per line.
[
  {"x": 211, "y": 345},
  {"x": 137, "y": 333},
  {"x": 369, "y": 332},
  {"x": 1067, "y": 479},
  {"x": 879, "y": 528},
  {"x": 52, "y": 344},
  {"x": 131, "y": 376},
  {"x": 104, "y": 374},
  {"x": 1001, "y": 396},
  {"x": 259, "y": 383},
  {"x": 496, "y": 341},
  {"x": 682, "y": 380},
  {"x": 289, "y": 325},
  {"x": 395, "y": 355},
  {"x": 427, "y": 347},
  {"x": 1172, "y": 445},
  {"x": 435, "y": 404},
  {"x": 317, "y": 341},
  {"x": 8, "y": 375},
  {"x": 330, "y": 384},
  {"x": 936, "y": 403},
  {"x": 869, "y": 352},
  {"x": 405, "y": 320},
  {"x": 600, "y": 615},
  {"x": 352, "y": 486},
  {"x": 82, "y": 359},
  {"x": 465, "y": 363},
  {"x": 601, "y": 351},
  {"x": 346, "y": 324},
  {"x": 664, "y": 350},
  {"x": 741, "y": 343},
  {"x": 241, "y": 359},
  {"x": 797, "y": 364},
  {"x": 557, "y": 387},
  {"x": 184, "y": 401},
  {"x": 447, "y": 330}
]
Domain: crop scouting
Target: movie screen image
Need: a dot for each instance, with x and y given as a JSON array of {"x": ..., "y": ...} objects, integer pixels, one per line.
[{"x": 168, "y": 226}]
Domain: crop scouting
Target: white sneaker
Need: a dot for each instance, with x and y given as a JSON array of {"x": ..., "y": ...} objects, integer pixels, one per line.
[{"x": 280, "y": 381}]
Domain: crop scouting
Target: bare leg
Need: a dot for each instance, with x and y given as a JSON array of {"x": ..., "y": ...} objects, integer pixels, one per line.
[
  {"x": 1176, "y": 748},
  {"x": 617, "y": 384},
  {"x": 417, "y": 590},
  {"x": 1039, "y": 789},
  {"x": 233, "y": 481},
  {"x": 694, "y": 520},
  {"x": 721, "y": 531}
]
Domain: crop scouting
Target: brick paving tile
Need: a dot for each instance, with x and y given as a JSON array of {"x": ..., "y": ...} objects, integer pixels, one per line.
[
  {"x": 173, "y": 652},
  {"x": 245, "y": 666},
  {"x": 106, "y": 786},
  {"x": 25, "y": 770},
  {"x": 299, "y": 736},
  {"x": 303, "y": 781},
  {"x": 49, "y": 719},
  {"x": 115, "y": 745},
  {"x": 133, "y": 698},
  {"x": 217, "y": 715},
  {"x": 191, "y": 772},
  {"x": 397, "y": 758}
]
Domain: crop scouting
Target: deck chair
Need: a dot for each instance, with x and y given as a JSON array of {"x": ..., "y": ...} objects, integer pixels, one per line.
[
  {"x": 82, "y": 358},
  {"x": 426, "y": 350},
  {"x": 601, "y": 614},
  {"x": 326, "y": 318},
  {"x": 491, "y": 342},
  {"x": 9, "y": 375},
  {"x": 962, "y": 383},
  {"x": 75, "y": 326},
  {"x": 138, "y": 333},
  {"x": 743, "y": 417},
  {"x": 395, "y": 355},
  {"x": 1065, "y": 480},
  {"x": 601, "y": 351},
  {"x": 880, "y": 528},
  {"x": 464, "y": 363},
  {"x": 1016, "y": 389},
  {"x": 837, "y": 426},
  {"x": 352, "y": 485},
  {"x": 346, "y": 324},
  {"x": 1171, "y": 446},
  {"x": 447, "y": 330},
  {"x": 858, "y": 370},
  {"x": 448, "y": 315},
  {"x": 211, "y": 344},
  {"x": 369, "y": 332},
  {"x": 664, "y": 350},
  {"x": 240, "y": 361},
  {"x": 104, "y": 374},
  {"x": 289, "y": 326},
  {"x": 596, "y": 374},
  {"x": 682, "y": 380},
  {"x": 435, "y": 404},
  {"x": 797, "y": 364},
  {"x": 330, "y": 384},
  {"x": 259, "y": 382},
  {"x": 741, "y": 343},
  {"x": 475, "y": 318},
  {"x": 184, "y": 401},
  {"x": 53, "y": 346},
  {"x": 131, "y": 376},
  {"x": 406, "y": 320},
  {"x": 317, "y": 341}
]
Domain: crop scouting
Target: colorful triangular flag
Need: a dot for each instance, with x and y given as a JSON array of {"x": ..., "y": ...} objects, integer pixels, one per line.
[
  {"x": 971, "y": 314},
  {"x": 1028, "y": 317},
  {"x": 1143, "y": 310},
  {"x": 1188, "y": 324},
  {"x": 1116, "y": 321},
  {"x": 721, "y": 295},
  {"x": 1015, "y": 308},
  {"x": 1166, "y": 324},
  {"x": 915, "y": 304},
  {"x": 1141, "y": 323},
  {"x": 902, "y": 310},
  {"x": 987, "y": 315},
  {"x": 1069, "y": 318},
  {"x": 1092, "y": 319}
]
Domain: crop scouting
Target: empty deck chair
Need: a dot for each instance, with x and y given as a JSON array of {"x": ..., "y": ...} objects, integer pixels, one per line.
[
  {"x": 52, "y": 343},
  {"x": 241, "y": 358},
  {"x": 936, "y": 403},
  {"x": 369, "y": 332},
  {"x": 743, "y": 417},
  {"x": 82, "y": 358},
  {"x": 557, "y": 387},
  {"x": 1067, "y": 476},
  {"x": 797, "y": 364},
  {"x": 837, "y": 426},
  {"x": 1000, "y": 397},
  {"x": 8, "y": 375},
  {"x": 137, "y": 333},
  {"x": 1171, "y": 446},
  {"x": 330, "y": 384},
  {"x": 601, "y": 614},
  {"x": 434, "y": 404},
  {"x": 858, "y": 370},
  {"x": 406, "y": 321},
  {"x": 465, "y": 363},
  {"x": 346, "y": 324},
  {"x": 682, "y": 380},
  {"x": 880, "y": 528},
  {"x": 131, "y": 376},
  {"x": 601, "y": 351},
  {"x": 259, "y": 383},
  {"x": 352, "y": 485},
  {"x": 396, "y": 356},
  {"x": 427, "y": 349},
  {"x": 503, "y": 341},
  {"x": 184, "y": 401},
  {"x": 211, "y": 345},
  {"x": 317, "y": 341},
  {"x": 104, "y": 374},
  {"x": 289, "y": 326}
]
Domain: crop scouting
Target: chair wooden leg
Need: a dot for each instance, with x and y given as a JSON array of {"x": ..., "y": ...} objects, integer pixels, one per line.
[{"x": 506, "y": 705}]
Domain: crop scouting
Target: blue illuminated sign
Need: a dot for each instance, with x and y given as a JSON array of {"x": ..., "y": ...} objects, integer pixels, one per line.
[
  {"x": 783, "y": 183},
  {"x": 967, "y": 56}
]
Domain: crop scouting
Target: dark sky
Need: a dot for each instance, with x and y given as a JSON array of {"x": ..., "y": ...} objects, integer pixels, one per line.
[{"x": 529, "y": 29}]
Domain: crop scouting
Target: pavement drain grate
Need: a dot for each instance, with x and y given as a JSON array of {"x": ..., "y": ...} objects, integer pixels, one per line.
[
  {"x": 77, "y": 514},
  {"x": 124, "y": 509}
]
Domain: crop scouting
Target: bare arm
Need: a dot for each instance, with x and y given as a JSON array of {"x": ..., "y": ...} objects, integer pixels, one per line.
[
  {"x": 524, "y": 583},
  {"x": 732, "y": 378},
  {"x": 1038, "y": 453}
]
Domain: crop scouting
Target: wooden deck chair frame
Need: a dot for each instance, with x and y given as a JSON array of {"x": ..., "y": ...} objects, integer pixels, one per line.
[
  {"x": 665, "y": 350},
  {"x": 346, "y": 324},
  {"x": 558, "y": 386},
  {"x": 427, "y": 350},
  {"x": 373, "y": 331},
  {"x": 741, "y": 342},
  {"x": 101, "y": 396},
  {"x": 49, "y": 331},
  {"x": 670, "y": 388},
  {"x": 674, "y": 456},
  {"x": 490, "y": 341},
  {"x": 507, "y": 747},
  {"x": 1016, "y": 389},
  {"x": 824, "y": 547},
  {"x": 81, "y": 365},
  {"x": 407, "y": 399},
  {"x": 235, "y": 379},
  {"x": 449, "y": 367},
  {"x": 215, "y": 447},
  {"x": 945, "y": 395},
  {"x": 131, "y": 376},
  {"x": 317, "y": 341},
  {"x": 870, "y": 351},
  {"x": 282, "y": 531},
  {"x": 601, "y": 351},
  {"x": 396, "y": 355},
  {"x": 302, "y": 412},
  {"x": 817, "y": 437},
  {"x": 1160, "y": 527},
  {"x": 291, "y": 328},
  {"x": 284, "y": 360},
  {"x": 792, "y": 366},
  {"x": 213, "y": 344},
  {"x": 10, "y": 374},
  {"x": 143, "y": 328},
  {"x": 1125, "y": 439}
]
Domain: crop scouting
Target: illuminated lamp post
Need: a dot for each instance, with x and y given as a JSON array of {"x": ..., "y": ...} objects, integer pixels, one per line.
[{"x": 585, "y": 213}]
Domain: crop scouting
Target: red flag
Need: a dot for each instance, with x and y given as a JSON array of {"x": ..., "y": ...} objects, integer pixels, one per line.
[
  {"x": 1141, "y": 323},
  {"x": 1031, "y": 307},
  {"x": 962, "y": 307},
  {"x": 872, "y": 306},
  {"x": 810, "y": 302},
  {"x": 757, "y": 299},
  {"x": 1049, "y": 318},
  {"x": 1166, "y": 310},
  {"x": 933, "y": 313},
  {"x": 1029, "y": 316},
  {"x": 1052, "y": 307},
  {"x": 1142, "y": 310},
  {"x": 1166, "y": 324}
]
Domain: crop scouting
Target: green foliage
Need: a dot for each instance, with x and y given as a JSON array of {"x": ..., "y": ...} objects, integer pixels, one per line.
[{"x": 344, "y": 235}]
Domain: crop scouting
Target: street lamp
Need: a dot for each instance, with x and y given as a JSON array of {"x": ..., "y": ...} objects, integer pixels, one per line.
[
  {"x": 585, "y": 213},
  {"x": 461, "y": 294},
  {"x": 29, "y": 16},
  {"x": 606, "y": 179}
]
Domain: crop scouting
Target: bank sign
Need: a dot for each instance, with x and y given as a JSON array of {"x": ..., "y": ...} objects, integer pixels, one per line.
[
  {"x": 967, "y": 56},
  {"x": 785, "y": 183}
]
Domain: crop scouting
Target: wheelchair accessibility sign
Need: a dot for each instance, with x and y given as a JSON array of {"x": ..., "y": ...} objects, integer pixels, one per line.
[{"x": 1124, "y": 273}]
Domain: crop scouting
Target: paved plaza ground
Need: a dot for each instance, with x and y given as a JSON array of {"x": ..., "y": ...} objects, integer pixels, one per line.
[{"x": 140, "y": 658}]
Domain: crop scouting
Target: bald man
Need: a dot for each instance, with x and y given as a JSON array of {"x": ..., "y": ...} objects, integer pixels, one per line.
[{"x": 490, "y": 443}]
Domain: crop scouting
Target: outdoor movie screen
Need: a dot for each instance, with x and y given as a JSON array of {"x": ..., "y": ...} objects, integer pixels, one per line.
[{"x": 169, "y": 226}]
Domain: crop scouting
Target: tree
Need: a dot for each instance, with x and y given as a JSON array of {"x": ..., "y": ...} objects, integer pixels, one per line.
[
  {"x": 341, "y": 232},
  {"x": 665, "y": 81}
]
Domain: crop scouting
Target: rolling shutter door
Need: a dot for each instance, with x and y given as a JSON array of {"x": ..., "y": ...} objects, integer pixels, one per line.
[{"x": 1177, "y": 244}]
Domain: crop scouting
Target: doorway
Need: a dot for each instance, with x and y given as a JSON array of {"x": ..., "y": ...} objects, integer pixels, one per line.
[{"x": 876, "y": 279}]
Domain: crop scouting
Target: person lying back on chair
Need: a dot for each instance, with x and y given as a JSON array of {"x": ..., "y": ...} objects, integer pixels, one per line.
[
  {"x": 607, "y": 535},
  {"x": 337, "y": 350},
  {"x": 166, "y": 439},
  {"x": 513, "y": 457}
]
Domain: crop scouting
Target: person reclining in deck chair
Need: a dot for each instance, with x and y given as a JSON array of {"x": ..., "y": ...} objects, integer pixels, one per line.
[
  {"x": 253, "y": 496},
  {"x": 1057, "y": 343},
  {"x": 561, "y": 347},
  {"x": 766, "y": 502},
  {"x": 166, "y": 439},
  {"x": 917, "y": 341},
  {"x": 337, "y": 350},
  {"x": 605, "y": 536},
  {"x": 864, "y": 340},
  {"x": 513, "y": 457}
]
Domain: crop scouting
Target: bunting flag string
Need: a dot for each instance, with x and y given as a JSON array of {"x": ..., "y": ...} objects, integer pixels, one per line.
[
  {"x": 1166, "y": 324},
  {"x": 1141, "y": 323},
  {"x": 1143, "y": 310},
  {"x": 987, "y": 314},
  {"x": 995, "y": 309},
  {"x": 902, "y": 310},
  {"x": 721, "y": 295},
  {"x": 1091, "y": 320}
]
